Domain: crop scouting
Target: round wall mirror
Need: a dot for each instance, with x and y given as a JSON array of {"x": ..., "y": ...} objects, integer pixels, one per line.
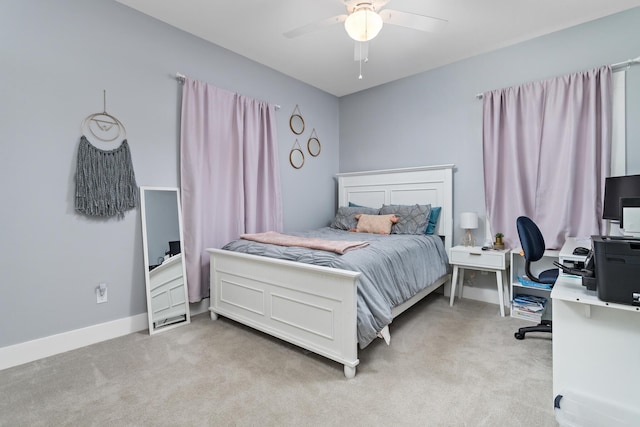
[
  {"x": 296, "y": 158},
  {"x": 313, "y": 146},
  {"x": 296, "y": 123}
]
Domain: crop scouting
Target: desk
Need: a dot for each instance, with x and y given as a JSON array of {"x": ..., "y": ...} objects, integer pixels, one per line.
[
  {"x": 596, "y": 345},
  {"x": 474, "y": 258}
]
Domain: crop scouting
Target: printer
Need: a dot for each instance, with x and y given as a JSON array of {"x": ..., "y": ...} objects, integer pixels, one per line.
[{"x": 617, "y": 268}]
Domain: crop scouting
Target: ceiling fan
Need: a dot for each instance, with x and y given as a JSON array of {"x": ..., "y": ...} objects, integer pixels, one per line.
[{"x": 365, "y": 18}]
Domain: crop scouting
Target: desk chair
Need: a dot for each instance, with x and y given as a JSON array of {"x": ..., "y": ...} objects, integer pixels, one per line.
[{"x": 533, "y": 247}]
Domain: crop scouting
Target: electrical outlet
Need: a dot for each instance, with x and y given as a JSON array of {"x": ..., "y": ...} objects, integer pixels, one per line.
[{"x": 101, "y": 293}]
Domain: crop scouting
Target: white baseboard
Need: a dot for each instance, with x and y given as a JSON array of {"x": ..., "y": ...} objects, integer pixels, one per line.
[
  {"x": 478, "y": 293},
  {"x": 40, "y": 348},
  {"x": 29, "y": 351},
  {"x": 482, "y": 294}
]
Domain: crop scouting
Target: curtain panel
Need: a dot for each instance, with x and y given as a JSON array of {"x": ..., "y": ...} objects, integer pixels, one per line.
[
  {"x": 229, "y": 173},
  {"x": 547, "y": 148}
]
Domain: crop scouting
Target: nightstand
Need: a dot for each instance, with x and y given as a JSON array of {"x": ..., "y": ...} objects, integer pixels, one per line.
[{"x": 474, "y": 258}]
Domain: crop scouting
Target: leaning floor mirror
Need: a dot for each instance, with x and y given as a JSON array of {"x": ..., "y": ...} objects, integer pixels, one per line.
[{"x": 166, "y": 279}]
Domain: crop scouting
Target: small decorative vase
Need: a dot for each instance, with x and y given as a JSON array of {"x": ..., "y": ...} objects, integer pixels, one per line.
[{"x": 498, "y": 244}]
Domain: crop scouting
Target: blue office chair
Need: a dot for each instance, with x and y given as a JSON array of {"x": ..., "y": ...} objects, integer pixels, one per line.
[{"x": 533, "y": 247}]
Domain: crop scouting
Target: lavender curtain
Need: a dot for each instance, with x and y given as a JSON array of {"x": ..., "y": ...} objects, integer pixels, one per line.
[
  {"x": 230, "y": 178},
  {"x": 547, "y": 148}
]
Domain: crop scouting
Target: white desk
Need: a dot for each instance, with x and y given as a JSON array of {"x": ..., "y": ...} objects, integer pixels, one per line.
[{"x": 596, "y": 345}]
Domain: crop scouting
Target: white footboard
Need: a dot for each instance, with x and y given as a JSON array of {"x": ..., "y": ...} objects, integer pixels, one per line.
[{"x": 310, "y": 306}]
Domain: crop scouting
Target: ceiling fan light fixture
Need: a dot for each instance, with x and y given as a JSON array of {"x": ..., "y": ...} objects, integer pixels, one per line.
[{"x": 363, "y": 24}]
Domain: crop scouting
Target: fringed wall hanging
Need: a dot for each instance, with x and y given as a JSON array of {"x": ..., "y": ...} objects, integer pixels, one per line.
[{"x": 105, "y": 180}]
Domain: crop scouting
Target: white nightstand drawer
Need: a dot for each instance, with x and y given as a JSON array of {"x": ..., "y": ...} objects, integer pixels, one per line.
[{"x": 476, "y": 257}]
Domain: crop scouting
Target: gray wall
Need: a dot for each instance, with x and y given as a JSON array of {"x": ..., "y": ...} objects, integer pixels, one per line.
[
  {"x": 435, "y": 118},
  {"x": 56, "y": 59}
]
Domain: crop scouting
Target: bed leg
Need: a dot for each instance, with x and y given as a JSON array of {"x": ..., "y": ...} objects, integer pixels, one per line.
[
  {"x": 214, "y": 316},
  {"x": 349, "y": 371}
]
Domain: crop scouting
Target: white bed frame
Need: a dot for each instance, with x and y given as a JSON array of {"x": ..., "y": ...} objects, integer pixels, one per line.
[{"x": 315, "y": 307}]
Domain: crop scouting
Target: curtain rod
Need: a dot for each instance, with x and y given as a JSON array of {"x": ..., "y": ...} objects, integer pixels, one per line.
[
  {"x": 627, "y": 63},
  {"x": 180, "y": 77},
  {"x": 614, "y": 67}
]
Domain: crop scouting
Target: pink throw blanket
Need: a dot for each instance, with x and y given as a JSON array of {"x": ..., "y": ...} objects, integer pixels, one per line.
[{"x": 337, "y": 246}]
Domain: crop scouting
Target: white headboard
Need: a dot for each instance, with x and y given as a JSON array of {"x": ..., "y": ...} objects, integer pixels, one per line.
[{"x": 422, "y": 185}]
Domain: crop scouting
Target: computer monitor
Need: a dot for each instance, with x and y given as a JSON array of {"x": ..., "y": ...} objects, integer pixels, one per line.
[
  {"x": 615, "y": 188},
  {"x": 630, "y": 216}
]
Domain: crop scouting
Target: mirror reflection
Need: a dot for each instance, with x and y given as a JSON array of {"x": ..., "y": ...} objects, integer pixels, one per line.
[{"x": 166, "y": 283}]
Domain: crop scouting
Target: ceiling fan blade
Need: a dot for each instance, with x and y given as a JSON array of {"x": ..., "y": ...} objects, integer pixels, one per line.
[
  {"x": 361, "y": 51},
  {"x": 412, "y": 20},
  {"x": 315, "y": 26}
]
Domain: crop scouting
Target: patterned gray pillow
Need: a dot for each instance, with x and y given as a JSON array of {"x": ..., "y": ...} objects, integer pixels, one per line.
[
  {"x": 413, "y": 218},
  {"x": 345, "y": 218}
]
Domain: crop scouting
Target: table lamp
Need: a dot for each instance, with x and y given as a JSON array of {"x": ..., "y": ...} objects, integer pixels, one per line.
[{"x": 468, "y": 221}]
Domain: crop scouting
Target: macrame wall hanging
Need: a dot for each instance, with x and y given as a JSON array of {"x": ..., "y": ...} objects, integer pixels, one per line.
[{"x": 105, "y": 180}]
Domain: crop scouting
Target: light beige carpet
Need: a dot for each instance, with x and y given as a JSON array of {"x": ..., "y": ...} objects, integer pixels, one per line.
[{"x": 446, "y": 366}]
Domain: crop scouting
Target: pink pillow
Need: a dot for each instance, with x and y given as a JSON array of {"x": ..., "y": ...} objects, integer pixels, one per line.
[{"x": 378, "y": 224}]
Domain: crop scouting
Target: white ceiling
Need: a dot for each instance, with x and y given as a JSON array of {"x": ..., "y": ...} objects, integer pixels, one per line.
[{"x": 324, "y": 58}]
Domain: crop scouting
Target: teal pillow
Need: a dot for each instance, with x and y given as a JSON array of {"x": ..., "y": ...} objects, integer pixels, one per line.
[{"x": 433, "y": 219}]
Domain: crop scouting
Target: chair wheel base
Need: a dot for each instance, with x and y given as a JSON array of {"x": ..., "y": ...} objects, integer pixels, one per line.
[{"x": 519, "y": 336}]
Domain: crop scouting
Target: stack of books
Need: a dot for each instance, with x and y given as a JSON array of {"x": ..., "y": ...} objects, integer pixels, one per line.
[
  {"x": 525, "y": 281},
  {"x": 528, "y": 307}
]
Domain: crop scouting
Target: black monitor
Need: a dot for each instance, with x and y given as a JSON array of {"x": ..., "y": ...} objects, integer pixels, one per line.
[{"x": 615, "y": 188}]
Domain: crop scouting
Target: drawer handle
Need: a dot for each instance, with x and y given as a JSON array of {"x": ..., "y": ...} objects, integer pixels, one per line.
[{"x": 475, "y": 253}]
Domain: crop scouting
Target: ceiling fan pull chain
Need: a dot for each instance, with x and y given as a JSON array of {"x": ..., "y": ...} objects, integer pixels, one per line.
[{"x": 360, "y": 62}]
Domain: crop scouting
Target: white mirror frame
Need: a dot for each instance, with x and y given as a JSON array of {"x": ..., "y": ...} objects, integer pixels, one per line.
[{"x": 172, "y": 293}]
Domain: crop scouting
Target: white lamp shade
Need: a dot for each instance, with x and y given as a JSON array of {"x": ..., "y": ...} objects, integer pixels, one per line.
[
  {"x": 363, "y": 25},
  {"x": 469, "y": 220}
]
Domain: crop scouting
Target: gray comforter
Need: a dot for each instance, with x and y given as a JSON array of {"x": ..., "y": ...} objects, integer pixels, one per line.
[{"x": 394, "y": 268}]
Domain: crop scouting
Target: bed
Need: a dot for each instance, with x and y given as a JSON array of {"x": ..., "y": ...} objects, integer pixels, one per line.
[{"x": 315, "y": 306}]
